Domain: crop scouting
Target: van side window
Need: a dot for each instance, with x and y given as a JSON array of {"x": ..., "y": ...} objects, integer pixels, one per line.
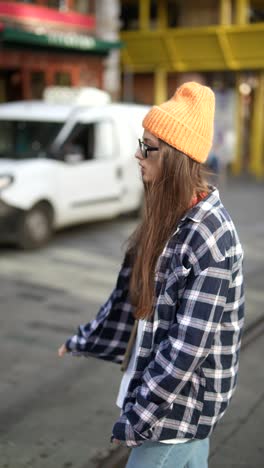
[
  {"x": 25, "y": 139},
  {"x": 90, "y": 141},
  {"x": 80, "y": 142}
]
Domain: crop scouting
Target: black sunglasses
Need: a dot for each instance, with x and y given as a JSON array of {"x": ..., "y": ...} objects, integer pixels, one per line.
[{"x": 144, "y": 148}]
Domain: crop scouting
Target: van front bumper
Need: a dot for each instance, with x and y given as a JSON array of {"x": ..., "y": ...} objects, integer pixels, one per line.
[{"x": 10, "y": 221}]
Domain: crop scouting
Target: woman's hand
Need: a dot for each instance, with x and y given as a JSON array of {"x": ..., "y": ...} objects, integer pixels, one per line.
[
  {"x": 62, "y": 350},
  {"x": 116, "y": 441}
]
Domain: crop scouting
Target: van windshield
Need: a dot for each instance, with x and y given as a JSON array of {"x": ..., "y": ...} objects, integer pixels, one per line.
[{"x": 24, "y": 139}]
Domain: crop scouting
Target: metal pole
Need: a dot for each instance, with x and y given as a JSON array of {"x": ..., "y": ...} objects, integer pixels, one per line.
[
  {"x": 144, "y": 14},
  {"x": 256, "y": 135},
  {"x": 225, "y": 12},
  {"x": 162, "y": 20},
  {"x": 242, "y": 10},
  {"x": 160, "y": 86},
  {"x": 237, "y": 163},
  {"x": 128, "y": 86}
]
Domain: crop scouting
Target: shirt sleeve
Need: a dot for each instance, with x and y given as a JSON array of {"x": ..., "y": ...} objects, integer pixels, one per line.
[
  {"x": 106, "y": 336},
  {"x": 188, "y": 343},
  {"x": 80, "y": 342}
]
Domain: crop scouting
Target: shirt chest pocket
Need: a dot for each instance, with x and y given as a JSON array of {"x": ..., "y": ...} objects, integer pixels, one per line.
[{"x": 175, "y": 284}]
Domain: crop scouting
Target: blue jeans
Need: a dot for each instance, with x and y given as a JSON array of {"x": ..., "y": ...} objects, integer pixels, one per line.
[{"x": 193, "y": 454}]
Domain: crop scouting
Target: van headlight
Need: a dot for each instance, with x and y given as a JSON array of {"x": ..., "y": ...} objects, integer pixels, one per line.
[{"x": 5, "y": 180}]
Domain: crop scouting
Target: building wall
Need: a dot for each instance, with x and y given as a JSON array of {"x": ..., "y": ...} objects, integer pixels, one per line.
[
  {"x": 198, "y": 13},
  {"x": 25, "y": 71},
  {"x": 144, "y": 88},
  {"x": 19, "y": 71},
  {"x": 139, "y": 87},
  {"x": 177, "y": 79}
]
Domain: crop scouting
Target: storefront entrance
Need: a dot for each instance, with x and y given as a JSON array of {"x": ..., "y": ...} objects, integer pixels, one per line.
[{"x": 10, "y": 85}]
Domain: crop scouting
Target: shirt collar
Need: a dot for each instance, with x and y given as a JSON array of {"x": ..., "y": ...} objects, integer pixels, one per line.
[{"x": 206, "y": 205}]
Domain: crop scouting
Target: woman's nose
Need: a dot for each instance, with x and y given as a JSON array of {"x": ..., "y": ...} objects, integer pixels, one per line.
[{"x": 138, "y": 154}]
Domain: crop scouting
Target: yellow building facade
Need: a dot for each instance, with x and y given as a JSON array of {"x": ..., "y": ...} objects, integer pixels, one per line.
[{"x": 191, "y": 38}]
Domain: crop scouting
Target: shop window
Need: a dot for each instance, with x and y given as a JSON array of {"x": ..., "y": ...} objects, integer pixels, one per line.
[
  {"x": 58, "y": 4},
  {"x": 193, "y": 13},
  {"x": 129, "y": 16},
  {"x": 84, "y": 6},
  {"x": 37, "y": 84},
  {"x": 62, "y": 79},
  {"x": 256, "y": 12},
  {"x": 153, "y": 15},
  {"x": 173, "y": 13},
  {"x": 11, "y": 85},
  {"x": 2, "y": 89}
]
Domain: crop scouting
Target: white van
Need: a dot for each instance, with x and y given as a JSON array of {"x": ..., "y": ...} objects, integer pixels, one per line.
[{"x": 87, "y": 173}]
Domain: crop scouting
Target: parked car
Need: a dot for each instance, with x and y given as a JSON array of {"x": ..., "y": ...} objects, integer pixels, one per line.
[{"x": 87, "y": 173}]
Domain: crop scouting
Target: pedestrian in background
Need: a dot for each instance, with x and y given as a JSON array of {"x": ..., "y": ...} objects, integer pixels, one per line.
[{"x": 175, "y": 316}]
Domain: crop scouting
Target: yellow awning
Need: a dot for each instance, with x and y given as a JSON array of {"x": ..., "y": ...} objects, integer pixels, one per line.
[{"x": 195, "y": 49}]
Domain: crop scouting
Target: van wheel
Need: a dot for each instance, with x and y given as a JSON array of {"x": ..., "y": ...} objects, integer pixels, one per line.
[{"x": 36, "y": 227}]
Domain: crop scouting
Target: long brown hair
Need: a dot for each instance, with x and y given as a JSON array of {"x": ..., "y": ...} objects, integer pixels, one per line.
[{"x": 165, "y": 202}]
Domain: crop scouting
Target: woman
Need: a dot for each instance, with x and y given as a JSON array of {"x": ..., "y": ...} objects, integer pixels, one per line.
[{"x": 180, "y": 291}]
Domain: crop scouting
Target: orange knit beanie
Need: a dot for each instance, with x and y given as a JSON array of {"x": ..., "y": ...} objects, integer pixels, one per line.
[{"x": 186, "y": 121}]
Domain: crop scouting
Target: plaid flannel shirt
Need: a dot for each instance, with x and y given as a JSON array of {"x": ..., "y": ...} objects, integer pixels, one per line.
[{"x": 186, "y": 368}]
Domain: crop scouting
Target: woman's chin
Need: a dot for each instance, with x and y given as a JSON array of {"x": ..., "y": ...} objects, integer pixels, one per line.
[{"x": 145, "y": 178}]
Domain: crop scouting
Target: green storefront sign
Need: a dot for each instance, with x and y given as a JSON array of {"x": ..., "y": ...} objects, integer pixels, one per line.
[{"x": 71, "y": 41}]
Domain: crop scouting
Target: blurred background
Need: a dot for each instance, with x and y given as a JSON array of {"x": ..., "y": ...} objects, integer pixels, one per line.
[{"x": 76, "y": 78}]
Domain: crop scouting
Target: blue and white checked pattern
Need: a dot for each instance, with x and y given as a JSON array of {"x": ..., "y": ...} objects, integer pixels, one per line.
[{"x": 186, "y": 368}]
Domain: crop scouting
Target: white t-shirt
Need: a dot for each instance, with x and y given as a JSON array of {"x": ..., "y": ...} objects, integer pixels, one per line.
[{"x": 129, "y": 373}]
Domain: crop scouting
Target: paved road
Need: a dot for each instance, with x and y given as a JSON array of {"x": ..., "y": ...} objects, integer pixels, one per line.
[
  {"x": 53, "y": 411},
  {"x": 59, "y": 413}
]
